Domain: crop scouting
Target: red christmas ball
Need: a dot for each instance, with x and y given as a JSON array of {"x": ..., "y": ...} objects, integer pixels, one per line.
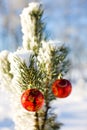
[
  {"x": 61, "y": 88},
  {"x": 32, "y": 100}
]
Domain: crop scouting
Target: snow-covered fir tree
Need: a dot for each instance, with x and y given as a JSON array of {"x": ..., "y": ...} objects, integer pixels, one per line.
[{"x": 35, "y": 65}]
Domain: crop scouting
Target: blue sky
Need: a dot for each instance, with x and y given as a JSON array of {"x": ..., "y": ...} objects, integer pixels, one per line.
[{"x": 66, "y": 21}]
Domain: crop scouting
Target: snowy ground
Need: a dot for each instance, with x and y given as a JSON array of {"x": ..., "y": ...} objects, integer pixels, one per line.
[{"x": 72, "y": 111}]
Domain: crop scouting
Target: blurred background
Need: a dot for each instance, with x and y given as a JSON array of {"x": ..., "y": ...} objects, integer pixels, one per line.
[{"x": 66, "y": 21}]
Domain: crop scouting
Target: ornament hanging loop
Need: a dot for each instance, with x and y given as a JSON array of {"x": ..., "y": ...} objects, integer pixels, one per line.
[{"x": 60, "y": 76}]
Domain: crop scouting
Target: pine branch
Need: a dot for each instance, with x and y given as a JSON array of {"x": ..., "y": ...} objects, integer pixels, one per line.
[
  {"x": 47, "y": 106},
  {"x": 37, "y": 121},
  {"x": 45, "y": 117},
  {"x": 36, "y": 16},
  {"x": 33, "y": 27},
  {"x": 53, "y": 125},
  {"x": 27, "y": 76},
  {"x": 4, "y": 64},
  {"x": 59, "y": 62},
  {"x": 47, "y": 60}
]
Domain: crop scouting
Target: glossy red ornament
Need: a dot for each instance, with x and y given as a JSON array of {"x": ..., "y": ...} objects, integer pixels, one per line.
[
  {"x": 61, "y": 88},
  {"x": 32, "y": 100}
]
